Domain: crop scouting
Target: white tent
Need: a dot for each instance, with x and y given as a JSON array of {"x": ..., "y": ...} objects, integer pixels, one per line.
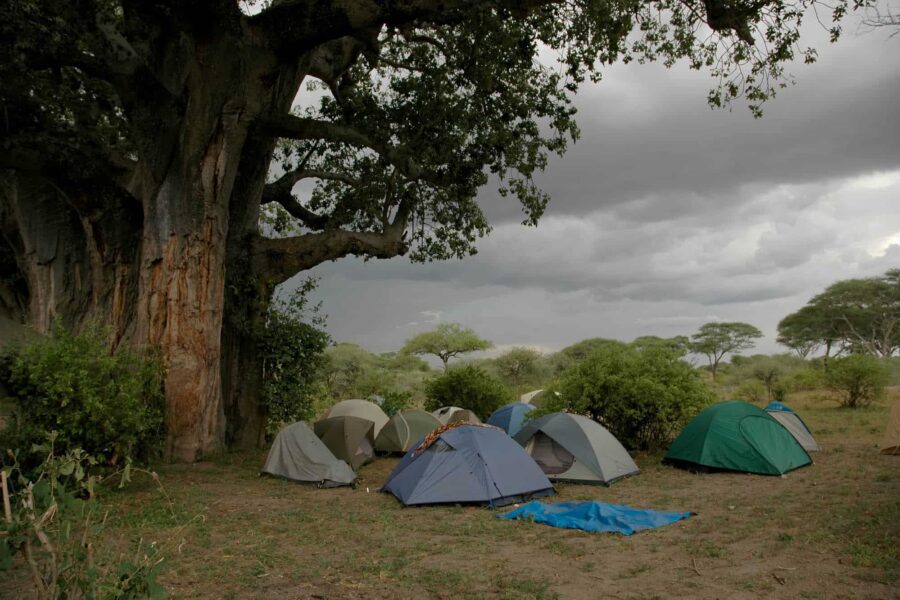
[{"x": 298, "y": 454}]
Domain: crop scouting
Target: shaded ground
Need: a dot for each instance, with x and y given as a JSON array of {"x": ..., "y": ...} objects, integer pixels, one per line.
[{"x": 827, "y": 531}]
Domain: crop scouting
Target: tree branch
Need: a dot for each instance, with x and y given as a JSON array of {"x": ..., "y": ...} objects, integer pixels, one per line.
[
  {"x": 280, "y": 191},
  {"x": 277, "y": 260},
  {"x": 301, "y": 128}
]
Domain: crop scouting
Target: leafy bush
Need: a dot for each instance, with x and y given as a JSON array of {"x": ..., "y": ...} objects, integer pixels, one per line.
[
  {"x": 107, "y": 403},
  {"x": 293, "y": 358},
  {"x": 858, "y": 379},
  {"x": 56, "y": 523},
  {"x": 641, "y": 396},
  {"x": 751, "y": 391},
  {"x": 395, "y": 400},
  {"x": 467, "y": 387}
]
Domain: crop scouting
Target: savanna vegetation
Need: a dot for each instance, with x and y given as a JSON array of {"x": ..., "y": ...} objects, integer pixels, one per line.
[{"x": 151, "y": 162}]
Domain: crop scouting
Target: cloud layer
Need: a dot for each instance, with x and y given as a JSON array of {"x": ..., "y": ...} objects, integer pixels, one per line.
[{"x": 667, "y": 215}]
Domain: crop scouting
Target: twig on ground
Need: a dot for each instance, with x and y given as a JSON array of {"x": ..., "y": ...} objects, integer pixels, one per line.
[
  {"x": 780, "y": 580},
  {"x": 696, "y": 570}
]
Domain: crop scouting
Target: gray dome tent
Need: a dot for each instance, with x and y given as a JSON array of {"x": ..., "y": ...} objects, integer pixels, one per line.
[
  {"x": 299, "y": 455},
  {"x": 575, "y": 448},
  {"x": 349, "y": 438}
]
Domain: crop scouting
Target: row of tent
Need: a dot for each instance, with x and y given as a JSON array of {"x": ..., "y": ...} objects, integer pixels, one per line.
[{"x": 456, "y": 461}]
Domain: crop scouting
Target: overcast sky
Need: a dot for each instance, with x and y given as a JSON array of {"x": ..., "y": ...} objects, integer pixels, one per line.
[{"x": 668, "y": 214}]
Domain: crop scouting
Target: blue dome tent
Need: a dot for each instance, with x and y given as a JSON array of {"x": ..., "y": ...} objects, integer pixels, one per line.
[
  {"x": 467, "y": 464},
  {"x": 511, "y": 417}
]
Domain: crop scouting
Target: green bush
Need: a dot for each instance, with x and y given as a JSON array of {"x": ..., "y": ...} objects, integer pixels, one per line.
[
  {"x": 643, "y": 397},
  {"x": 467, "y": 387},
  {"x": 751, "y": 391},
  {"x": 858, "y": 379},
  {"x": 107, "y": 403},
  {"x": 395, "y": 401},
  {"x": 293, "y": 359}
]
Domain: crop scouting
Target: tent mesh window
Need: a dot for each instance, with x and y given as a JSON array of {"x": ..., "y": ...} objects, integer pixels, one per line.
[{"x": 552, "y": 458}]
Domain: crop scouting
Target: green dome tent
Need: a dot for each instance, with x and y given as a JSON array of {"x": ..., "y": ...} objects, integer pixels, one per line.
[
  {"x": 737, "y": 436},
  {"x": 404, "y": 430}
]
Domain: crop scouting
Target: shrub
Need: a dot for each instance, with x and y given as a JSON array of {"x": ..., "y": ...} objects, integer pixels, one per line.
[
  {"x": 293, "y": 357},
  {"x": 751, "y": 391},
  {"x": 56, "y": 523},
  {"x": 857, "y": 379},
  {"x": 107, "y": 403},
  {"x": 467, "y": 387},
  {"x": 642, "y": 397},
  {"x": 396, "y": 400}
]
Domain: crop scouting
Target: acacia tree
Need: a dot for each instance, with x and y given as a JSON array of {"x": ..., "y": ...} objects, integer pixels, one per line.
[
  {"x": 715, "y": 340},
  {"x": 517, "y": 364},
  {"x": 861, "y": 315},
  {"x": 445, "y": 342},
  {"x": 143, "y": 139}
]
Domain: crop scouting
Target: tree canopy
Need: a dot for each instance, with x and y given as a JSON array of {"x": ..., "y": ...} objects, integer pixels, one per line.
[
  {"x": 143, "y": 142},
  {"x": 859, "y": 315},
  {"x": 445, "y": 342},
  {"x": 717, "y": 339}
]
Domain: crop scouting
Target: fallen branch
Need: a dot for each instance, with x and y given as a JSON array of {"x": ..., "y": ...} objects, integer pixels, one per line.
[
  {"x": 780, "y": 580},
  {"x": 696, "y": 570},
  {"x": 7, "y": 510}
]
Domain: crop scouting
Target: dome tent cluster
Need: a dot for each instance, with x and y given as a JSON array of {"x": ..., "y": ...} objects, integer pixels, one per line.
[{"x": 449, "y": 456}]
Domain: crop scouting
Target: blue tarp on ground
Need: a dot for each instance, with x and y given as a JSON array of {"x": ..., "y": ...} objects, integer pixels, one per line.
[{"x": 595, "y": 516}]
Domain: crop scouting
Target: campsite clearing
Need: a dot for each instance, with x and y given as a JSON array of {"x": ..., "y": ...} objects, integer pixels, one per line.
[{"x": 824, "y": 531}]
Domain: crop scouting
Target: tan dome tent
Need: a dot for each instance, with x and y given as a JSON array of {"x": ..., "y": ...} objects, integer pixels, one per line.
[
  {"x": 443, "y": 412},
  {"x": 464, "y": 415},
  {"x": 794, "y": 424},
  {"x": 349, "y": 439},
  {"x": 532, "y": 397},
  {"x": 404, "y": 430},
  {"x": 297, "y": 454},
  {"x": 362, "y": 409},
  {"x": 891, "y": 443},
  {"x": 575, "y": 448}
]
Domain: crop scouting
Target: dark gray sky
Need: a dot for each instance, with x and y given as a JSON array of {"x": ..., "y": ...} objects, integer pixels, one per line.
[{"x": 668, "y": 214}]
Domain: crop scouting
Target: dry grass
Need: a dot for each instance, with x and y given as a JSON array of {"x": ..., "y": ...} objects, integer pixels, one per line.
[{"x": 825, "y": 531}]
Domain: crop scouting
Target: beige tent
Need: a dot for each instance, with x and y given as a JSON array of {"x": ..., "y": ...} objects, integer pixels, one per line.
[
  {"x": 891, "y": 443},
  {"x": 362, "y": 409}
]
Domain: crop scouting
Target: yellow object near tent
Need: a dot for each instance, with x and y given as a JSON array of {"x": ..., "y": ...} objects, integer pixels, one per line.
[{"x": 891, "y": 443}]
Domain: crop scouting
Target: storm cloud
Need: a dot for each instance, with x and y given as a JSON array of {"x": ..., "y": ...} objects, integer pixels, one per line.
[{"x": 667, "y": 214}]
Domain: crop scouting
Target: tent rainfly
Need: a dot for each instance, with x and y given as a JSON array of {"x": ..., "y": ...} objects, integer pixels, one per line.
[
  {"x": 796, "y": 426},
  {"x": 362, "y": 409},
  {"x": 511, "y": 417},
  {"x": 464, "y": 415},
  {"x": 404, "y": 430},
  {"x": 737, "y": 436},
  {"x": 297, "y": 454},
  {"x": 349, "y": 439},
  {"x": 891, "y": 443},
  {"x": 575, "y": 448},
  {"x": 443, "y": 412},
  {"x": 467, "y": 464}
]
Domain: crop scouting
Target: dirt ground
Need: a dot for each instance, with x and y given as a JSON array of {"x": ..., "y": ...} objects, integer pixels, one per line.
[{"x": 830, "y": 530}]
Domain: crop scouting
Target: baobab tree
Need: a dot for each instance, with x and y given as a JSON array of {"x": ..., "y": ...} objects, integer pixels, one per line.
[{"x": 143, "y": 139}]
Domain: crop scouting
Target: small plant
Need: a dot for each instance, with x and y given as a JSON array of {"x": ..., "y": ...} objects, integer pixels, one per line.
[
  {"x": 107, "y": 403},
  {"x": 857, "y": 380},
  {"x": 53, "y": 522}
]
